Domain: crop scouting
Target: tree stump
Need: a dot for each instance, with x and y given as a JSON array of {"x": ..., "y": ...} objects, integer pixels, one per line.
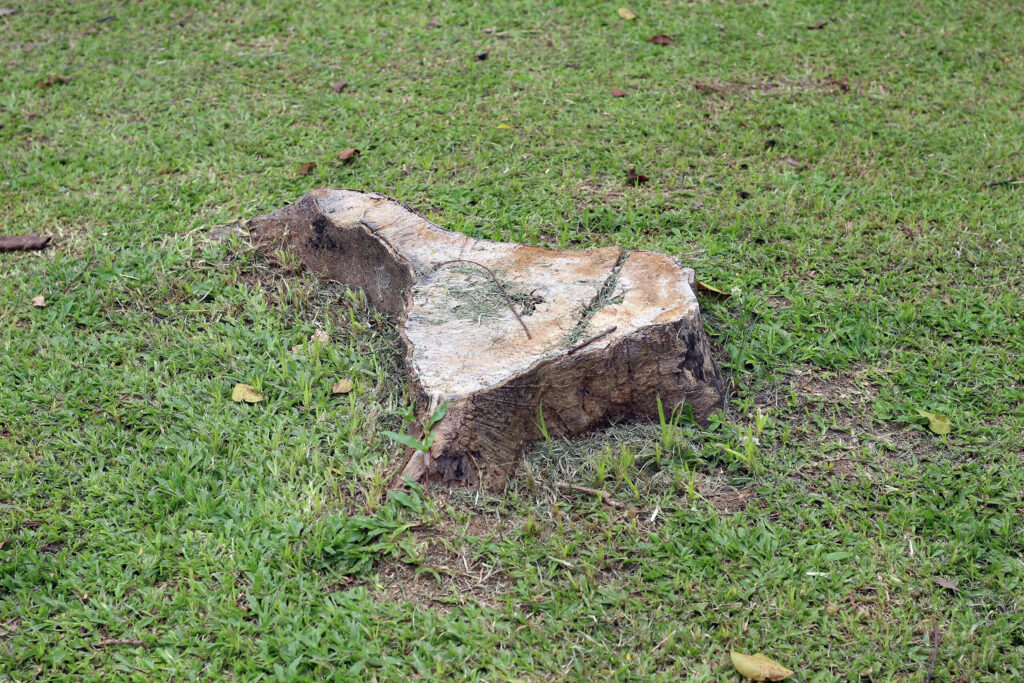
[{"x": 508, "y": 333}]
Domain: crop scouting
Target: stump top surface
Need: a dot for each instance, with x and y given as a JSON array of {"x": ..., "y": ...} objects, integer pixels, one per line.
[{"x": 463, "y": 335}]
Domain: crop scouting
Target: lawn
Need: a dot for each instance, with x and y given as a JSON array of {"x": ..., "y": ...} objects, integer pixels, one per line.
[{"x": 835, "y": 166}]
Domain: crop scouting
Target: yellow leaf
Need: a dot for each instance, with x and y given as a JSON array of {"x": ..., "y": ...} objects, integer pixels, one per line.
[
  {"x": 713, "y": 291},
  {"x": 937, "y": 423},
  {"x": 503, "y": 126},
  {"x": 39, "y": 301},
  {"x": 342, "y": 386},
  {"x": 758, "y": 667},
  {"x": 627, "y": 14},
  {"x": 245, "y": 393}
]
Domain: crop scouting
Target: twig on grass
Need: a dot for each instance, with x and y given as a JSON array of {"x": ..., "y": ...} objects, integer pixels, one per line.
[
  {"x": 108, "y": 642},
  {"x": 605, "y": 496},
  {"x": 28, "y": 242},
  {"x": 501, "y": 289},
  {"x": 1000, "y": 183}
]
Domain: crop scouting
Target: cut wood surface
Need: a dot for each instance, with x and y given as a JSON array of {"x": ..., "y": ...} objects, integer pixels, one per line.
[{"x": 504, "y": 332}]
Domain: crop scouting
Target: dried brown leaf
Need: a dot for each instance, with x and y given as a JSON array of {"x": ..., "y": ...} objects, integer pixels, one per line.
[
  {"x": 338, "y": 86},
  {"x": 307, "y": 168},
  {"x": 840, "y": 83},
  {"x": 946, "y": 583},
  {"x": 348, "y": 153},
  {"x": 636, "y": 178},
  {"x": 52, "y": 80},
  {"x": 39, "y": 301},
  {"x": 708, "y": 87},
  {"x": 662, "y": 39},
  {"x": 342, "y": 386},
  {"x": 618, "y": 93}
]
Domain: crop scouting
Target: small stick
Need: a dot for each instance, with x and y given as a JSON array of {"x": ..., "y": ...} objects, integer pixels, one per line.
[
  {"x": 22, "y": 242},
  {"x": 591, "y": 340},
  {"x": 501, "y": 289},
  {"x": 935, "y": 649},
  {"x": 1000, "y": 183},
  {"x": 107, "y": 642},
  {"x": 605, "y": 496}
]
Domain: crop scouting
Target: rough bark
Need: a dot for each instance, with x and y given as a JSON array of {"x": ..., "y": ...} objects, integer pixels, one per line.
[
  {"x": 600, "y": 334},
  {"x": 28, "y": 242}
]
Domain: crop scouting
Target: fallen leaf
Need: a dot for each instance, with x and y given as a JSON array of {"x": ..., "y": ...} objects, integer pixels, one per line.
[
  {"x": 296, "y": 348},
  {"x": 699, "y": 204},
  {"x": 618, "y": 93},
  {"x": 627, "y": 14},
  {"x": 319, "y": 336},
  {"x": 818, "y": 27},
  {"x": 840, "y": 83},
  {"x": 245, "y": 393},
  {"x": 307, "y": 168},
  {"x": 758, "y": 667},
  {"x": 636, "y": 178},
  {"x": 52, "y": 80},
  {"x": 503, "y": 126},
  {"x": 342, "y": 386},
  {"x": 791, "y": 161},
  {"x": 6, "y": 11},
  {"x": 946, "y": 583},
  {"x": 483, "y": 55},
  {"x": 937, "y": 423},
  {"x": 708, "y": 87},
  {"x": 713, "y": 291},
  {"x": 39, "y": 301},
  {"x": 338, "y": 86},
  {"x": 348, "y": 153},
  {"x": 662, "y": 40}
]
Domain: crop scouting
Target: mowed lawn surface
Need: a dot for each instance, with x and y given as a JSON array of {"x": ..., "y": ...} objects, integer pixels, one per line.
[{"x": 834, "y": 179}]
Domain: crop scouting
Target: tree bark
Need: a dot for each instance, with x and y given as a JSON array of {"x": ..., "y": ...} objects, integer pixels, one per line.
[{"x": 28, "y": 242}]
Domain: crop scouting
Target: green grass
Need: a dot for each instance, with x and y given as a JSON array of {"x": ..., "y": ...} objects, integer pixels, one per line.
[{"x": 835, "y": 177}]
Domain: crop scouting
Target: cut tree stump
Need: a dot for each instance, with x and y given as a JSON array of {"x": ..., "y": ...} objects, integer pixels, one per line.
[{"x": 506, "y": 333}]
